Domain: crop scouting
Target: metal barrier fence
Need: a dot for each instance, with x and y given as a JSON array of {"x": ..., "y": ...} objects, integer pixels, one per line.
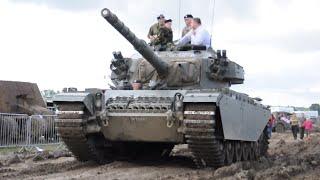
[{"x": 24, "y": 130}]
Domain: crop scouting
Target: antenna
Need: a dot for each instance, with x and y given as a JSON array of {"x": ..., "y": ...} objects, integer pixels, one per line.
[
  {"x": 179, "y": 17},
  {"x": 212, "y": 20}
]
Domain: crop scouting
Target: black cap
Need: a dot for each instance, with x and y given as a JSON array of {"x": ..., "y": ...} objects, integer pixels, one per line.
[
  {"x": 160, "y": 16},
  {"x": 168, "y": 20},
  {"x": 188, "y": 16}
]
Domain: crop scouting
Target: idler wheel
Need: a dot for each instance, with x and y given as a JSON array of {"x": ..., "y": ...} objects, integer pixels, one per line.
[
  {"x": 238, "y": 151},
  {"x": 229, "y": 152}
]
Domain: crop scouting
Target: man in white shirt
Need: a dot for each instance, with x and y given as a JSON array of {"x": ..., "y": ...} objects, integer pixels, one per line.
[{"x": 198, "y": 35}]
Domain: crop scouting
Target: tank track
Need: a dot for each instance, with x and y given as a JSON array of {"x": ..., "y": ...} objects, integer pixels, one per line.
[
  {"x": 71, "y": 125},
  {"x": 70, "y": 128},
  {"x": 206, "y": 143}
]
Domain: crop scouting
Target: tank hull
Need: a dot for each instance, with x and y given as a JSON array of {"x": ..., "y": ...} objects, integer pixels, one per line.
[
  {"x": 143, "y": 115},
  {"x": 214, "y": 123}
]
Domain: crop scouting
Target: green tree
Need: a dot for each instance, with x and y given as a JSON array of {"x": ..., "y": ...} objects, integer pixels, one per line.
[{"x": 315, "y": 107}]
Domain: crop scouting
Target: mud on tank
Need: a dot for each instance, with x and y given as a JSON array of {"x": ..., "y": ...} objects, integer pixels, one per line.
[{"x": 185, "y": 99}]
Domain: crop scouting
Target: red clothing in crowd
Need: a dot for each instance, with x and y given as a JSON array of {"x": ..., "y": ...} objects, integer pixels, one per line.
[
  {"x": 271, "y": 121},
  {"x": 307, "y": 124}
]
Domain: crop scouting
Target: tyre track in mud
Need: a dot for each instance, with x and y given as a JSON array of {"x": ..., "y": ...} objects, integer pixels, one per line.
[
  {"x": 288, "y": 159},
  {"x": 30, "y": 169}
]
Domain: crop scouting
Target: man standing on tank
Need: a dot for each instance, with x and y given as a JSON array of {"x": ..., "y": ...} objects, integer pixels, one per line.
[
  {"x": 165, "y": 36},
  {"x": 155, "y": 28},
  {"x": 188, "y": 20},
  {"x": 198, "y": 35}
]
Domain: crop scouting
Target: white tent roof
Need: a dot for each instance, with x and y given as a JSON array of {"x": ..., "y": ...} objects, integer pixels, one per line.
[
  {"x": 282, "y": 109},
  {"x": 308, "y": 114}
]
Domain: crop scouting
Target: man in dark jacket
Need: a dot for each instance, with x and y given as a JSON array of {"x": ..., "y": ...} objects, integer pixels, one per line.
[{"x": 165, "y": 36}]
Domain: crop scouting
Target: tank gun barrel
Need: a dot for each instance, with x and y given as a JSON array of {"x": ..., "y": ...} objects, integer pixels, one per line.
[{"x": 140, "y": 45}]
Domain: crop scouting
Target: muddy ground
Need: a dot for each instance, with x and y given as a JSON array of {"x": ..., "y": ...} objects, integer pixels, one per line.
[{"x": 288, "y": 159}]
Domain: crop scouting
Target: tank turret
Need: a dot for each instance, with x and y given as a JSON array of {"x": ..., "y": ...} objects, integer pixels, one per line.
[
  {"x": 140, "y": 45},
  {"x": 194, "y": 67}
]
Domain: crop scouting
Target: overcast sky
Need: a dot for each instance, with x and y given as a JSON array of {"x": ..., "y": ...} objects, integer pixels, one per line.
[{"x": 58, "y": 43}]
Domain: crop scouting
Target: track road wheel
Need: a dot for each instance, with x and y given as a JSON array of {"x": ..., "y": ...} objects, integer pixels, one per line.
[
  {"x": 251, "y": 150},
  {"x": 245, "y": 151},
  {"x": 264, "y": 143},
  {"x": 229, "y": 152},
  {"x": 256, "y": 150},
  {"x": 238, "y": 151}
]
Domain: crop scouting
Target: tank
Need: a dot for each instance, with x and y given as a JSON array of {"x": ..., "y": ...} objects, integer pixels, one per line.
[{"x": 183, "y": 97}]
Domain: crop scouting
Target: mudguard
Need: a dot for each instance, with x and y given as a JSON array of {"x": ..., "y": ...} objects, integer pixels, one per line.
[
  {"x": 81, "y": 97},
  {"x": 242, "y": 120}
]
